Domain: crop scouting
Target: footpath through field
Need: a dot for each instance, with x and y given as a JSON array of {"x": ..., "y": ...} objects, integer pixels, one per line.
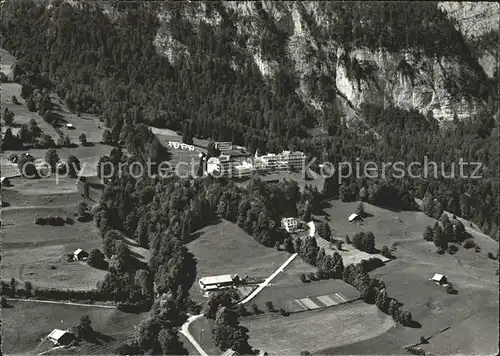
[
  {"x": 185, "y": 327},
  {"x": 63, "y": 303}
]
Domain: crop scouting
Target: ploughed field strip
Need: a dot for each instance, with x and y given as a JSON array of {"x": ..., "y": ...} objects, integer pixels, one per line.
[{"x": 321, "y": 301}]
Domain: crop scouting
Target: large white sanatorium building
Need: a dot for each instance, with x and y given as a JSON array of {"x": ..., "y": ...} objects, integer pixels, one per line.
[{"x": 227, "y": 165}]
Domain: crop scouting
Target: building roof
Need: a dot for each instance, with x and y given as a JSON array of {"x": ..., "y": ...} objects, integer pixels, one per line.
[
  {"x": 3, "y": 178},
  {"x": 56, "y": 334},
  {"x": 69, "y": 125},
  {"x": 229, "y": 352},
  {"x": 78, "y": 251},
  {"x": 438, "y": 277},
  {"x": 225, "y": 278},
  {"x": 354, "y": 216}
]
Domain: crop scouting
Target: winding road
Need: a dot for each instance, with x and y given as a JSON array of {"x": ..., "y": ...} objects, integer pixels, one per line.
[{"x": 185, "y": 327}]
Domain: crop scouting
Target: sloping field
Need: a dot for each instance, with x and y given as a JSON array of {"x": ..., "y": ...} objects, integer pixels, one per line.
[
  {"x": 291, "y": 274},
  {"x": 6, "y": 62},
  {"x": 30, "y": 188},
  {"x": 47, "y": 267},
  {"x": 25, "y": 323},
  {"x": 87, "y": 124},
  {"x": 316, "y": 330},
  {"x": 37, "y": 253},
  {"x": 9, "y": 169},
  {"x": 469, "y": 319},
  {"x": 350, "y": 254},
  {"x": 201, "y": 329},
  {"x": 387, "y": 226},
  {"x": 474, "y": 308},
  {"x": 224, "y": 248},
  {"x": 21, "y": 112},
  {"x": 87, "y": 155},
  {"x": 286, "y": 295},
  {"x": 45, "y": 192},
  {"x": 20, "y": 228}
]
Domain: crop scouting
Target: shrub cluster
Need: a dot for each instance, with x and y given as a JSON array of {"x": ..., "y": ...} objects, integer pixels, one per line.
[
  {"x": 469, "y": 243},
  {"x": 450, "y": 231},
  {"x": 135, "y": 307},
  {"x": 415, "y": 350},
  {"x": 371, "y": 264},
  {"x": 364, "y": 242},
  {"x": 67, "y": 294},
  {"x": 53, "y": 221}
]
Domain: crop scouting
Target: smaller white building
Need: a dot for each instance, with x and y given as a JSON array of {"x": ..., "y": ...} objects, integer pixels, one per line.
[
  {"x": 70, "y": 126},
  {"x": 80, "y": 255},
  {"x": 289, "y": 224},
  {"x": 216, "y": 282},
  {"x": 439, "y": 278},
  {"x": 354, "y": 217},
  {"x": 229, "y": 352},
  {"x": 60, "y": 337}
]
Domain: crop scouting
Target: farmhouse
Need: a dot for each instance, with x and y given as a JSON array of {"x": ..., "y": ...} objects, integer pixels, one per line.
[
  {"x": 60, "y": 337},
  {"x": 4, "y": 181},
  {"x": 289, "y": 224},
  {"x": 439, "y": 278},
  {"x": 79, "y": 255},
  {"x": 355, "y": 218},
  {"x": 216, "y": 282}
]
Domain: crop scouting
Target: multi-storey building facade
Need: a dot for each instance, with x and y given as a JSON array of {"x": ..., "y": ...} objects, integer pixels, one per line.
[
  {"x": 285, "y": 160},
  {"x": 237, "y": 166}
]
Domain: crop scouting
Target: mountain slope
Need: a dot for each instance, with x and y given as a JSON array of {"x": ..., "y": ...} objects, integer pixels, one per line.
[{"x": 376, "y": 81}]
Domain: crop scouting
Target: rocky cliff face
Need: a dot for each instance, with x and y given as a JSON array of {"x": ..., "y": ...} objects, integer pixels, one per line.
[
  {"x": 407, "y": 80},
  {"x": 474, "y": 20},
  {"x": 389, "y": 86}
]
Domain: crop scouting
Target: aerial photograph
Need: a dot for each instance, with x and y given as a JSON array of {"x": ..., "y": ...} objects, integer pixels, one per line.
[{"x": 249, "y": 177}]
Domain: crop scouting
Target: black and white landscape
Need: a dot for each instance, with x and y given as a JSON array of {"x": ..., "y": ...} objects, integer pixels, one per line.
[{"x": 249, "y": 178}]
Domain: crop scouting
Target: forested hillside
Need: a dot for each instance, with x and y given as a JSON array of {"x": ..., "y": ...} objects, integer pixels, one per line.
[{"x": 378, "y": 81}]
